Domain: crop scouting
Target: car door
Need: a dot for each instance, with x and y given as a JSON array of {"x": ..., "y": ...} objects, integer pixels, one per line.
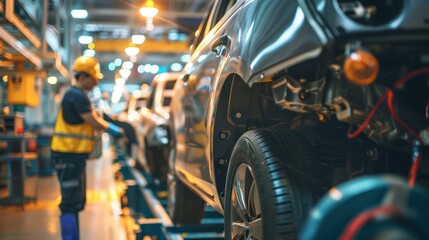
[{"x": 200, "y": 73}]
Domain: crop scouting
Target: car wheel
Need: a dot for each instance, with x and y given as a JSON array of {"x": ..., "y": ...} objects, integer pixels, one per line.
[
  {"x": 184, "y": 206},
  {"x": 265, "y": 196},
  {"x": 157, "y": 158}
]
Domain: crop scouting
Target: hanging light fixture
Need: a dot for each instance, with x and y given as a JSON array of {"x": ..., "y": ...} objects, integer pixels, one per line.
[
  {"x": 52, "y": 80},
  {"x": 138, "y": 38},
  {"x": 85, "y": 39},
  {"x": 79, "y": 13},
  {"x": 124, "y": 73},
  {"x": 149, "y": 10},
  {"x": 132, "y": 50}
]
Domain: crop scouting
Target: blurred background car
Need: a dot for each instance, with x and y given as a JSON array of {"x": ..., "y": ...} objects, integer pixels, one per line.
[
  {"x": 132, "y": 118},
  {"x": 154, "y": 132}
]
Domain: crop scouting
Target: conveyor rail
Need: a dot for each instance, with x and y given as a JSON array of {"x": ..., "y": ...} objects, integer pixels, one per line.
[{"x": 150, "y": 214}]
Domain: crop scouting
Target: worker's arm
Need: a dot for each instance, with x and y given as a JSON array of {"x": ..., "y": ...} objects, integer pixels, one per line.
[
  {"x": 99, "y": 123},
  {"x": 96, "y": 122}
]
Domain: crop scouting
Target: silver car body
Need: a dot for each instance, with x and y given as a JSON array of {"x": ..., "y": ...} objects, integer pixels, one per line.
[{"x": 252, "y": 40}]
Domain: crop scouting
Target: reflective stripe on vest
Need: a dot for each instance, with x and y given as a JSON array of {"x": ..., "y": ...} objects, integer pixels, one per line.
[{"x": 72, "y": 138}]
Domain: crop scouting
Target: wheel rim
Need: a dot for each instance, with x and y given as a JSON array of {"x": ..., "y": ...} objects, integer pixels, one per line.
[{"x": 246, "y": 217}]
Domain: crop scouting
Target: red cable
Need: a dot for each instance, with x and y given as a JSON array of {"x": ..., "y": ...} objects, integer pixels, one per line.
[
  {"x": 370, "y": 116},
  {"x": 414, "y": 170},
  {"x": 358, "y": 222},
  {"x": 397, "y": 118},
  {"x": 389, "y": 93},
  {"x": 400, "y": 83},
  {"x": 416, "y": 162}
]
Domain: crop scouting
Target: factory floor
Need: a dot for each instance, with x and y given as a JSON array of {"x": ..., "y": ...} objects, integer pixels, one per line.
[{"x": 102, "y": 217}]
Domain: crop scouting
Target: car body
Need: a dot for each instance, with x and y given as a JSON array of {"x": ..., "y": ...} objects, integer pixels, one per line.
[
  {"x": 129, "y": 119},
  {"x": 263, "y": 115},
  {"x": 137, "y": 101},
  {"x": 153, "y": 119}
]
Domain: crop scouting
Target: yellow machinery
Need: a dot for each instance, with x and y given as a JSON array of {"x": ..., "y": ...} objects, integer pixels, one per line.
[{"x": 22, "y": 89}]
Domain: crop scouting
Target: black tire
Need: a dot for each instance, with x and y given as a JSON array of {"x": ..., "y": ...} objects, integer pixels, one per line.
[
  {"x": 157, "y": 158},
  {"x": 267, "y": 166},
  {"x": 184, "y": 206}
]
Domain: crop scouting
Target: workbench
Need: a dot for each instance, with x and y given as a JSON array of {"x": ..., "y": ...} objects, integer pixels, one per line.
[{"x": 16, "y": 169}]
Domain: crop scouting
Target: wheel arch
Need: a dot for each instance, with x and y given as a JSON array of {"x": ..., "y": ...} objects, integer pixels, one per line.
[
  {"x": 224, "y": 132},
  {"x": 240, "y": 107}
]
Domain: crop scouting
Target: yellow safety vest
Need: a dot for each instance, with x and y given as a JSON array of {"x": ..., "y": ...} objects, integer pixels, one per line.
[{"x": 72, "y": 138}]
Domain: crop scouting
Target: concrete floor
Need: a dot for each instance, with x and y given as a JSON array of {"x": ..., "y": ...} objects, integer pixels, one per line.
[{"x": 102, "y": 217}]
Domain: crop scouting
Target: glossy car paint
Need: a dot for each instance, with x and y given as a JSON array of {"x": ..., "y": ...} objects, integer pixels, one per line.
[
  {"x": 144, "y": 118},
  {"x": 132, "y": 116},
  {"x": 253, "y": 48},
  {"x": 259, "y": 38},
  {"x": 156, "y": 113}
]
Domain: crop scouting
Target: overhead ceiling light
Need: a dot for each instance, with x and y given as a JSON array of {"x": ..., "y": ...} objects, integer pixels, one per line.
[
  {"x": 138, "y": 38},
  {"x": 79, "y": 13},
  {"x": 132, "y": 50},
  {"x": 127, "y": 65},
  {"x": 176, "y": 67},
  {"x": 120, "y": 81},
  {"x": 183, "y": 36},
  {"x": 52, "y": 80},
  {"x": 147, "y": 67},
  {"x": 125, "y": 73},
  {"x": 185, "y": 57},
  {"x": 112, "y": 66},
  {"x": 173, "y": 36},
  {"x": 149, "y": 10},
  {"x": 140, "y": 69},
  {"x": 154, "y": 69},
  {"x": 89, "y": 52},
  {"x": 85, "y": 39},
  {"x": 118, "y": 62}
]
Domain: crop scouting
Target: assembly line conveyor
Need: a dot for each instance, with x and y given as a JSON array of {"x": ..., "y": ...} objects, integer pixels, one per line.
[{"x": 147, "y": 202}]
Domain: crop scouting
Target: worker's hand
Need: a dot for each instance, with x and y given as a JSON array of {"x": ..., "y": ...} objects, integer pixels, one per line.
[{"x": 115, "y": 130}]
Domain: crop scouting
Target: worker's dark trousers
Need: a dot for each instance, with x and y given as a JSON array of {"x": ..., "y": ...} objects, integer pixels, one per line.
[{"x": 72, "y": 178}]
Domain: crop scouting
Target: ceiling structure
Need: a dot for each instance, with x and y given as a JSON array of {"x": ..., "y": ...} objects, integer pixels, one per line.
[
  {"x": 112, "y": 23},
  {"x": 40, "y": 37}
]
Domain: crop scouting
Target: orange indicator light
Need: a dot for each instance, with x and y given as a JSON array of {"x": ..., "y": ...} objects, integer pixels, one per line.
[{"x": 361, "y": 68}]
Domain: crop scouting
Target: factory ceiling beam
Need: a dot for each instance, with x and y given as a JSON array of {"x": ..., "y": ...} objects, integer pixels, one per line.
[
  {"x": 126, "y": 12},
  {"x": 18, "y": 46},
  {"x": 149, "y": 46},
  {"x": 15, "y": 20}
]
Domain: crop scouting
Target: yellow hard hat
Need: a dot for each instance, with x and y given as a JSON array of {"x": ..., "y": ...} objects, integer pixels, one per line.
[{"x": 88, "y": 65}]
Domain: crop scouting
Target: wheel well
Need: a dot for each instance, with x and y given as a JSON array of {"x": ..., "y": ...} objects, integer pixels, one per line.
[{"x": 241, "y": 108}]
